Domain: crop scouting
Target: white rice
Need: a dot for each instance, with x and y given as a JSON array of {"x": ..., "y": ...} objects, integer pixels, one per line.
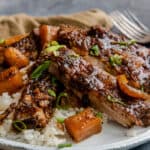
[
  {"x": 51, "y": 135},
  {"x": 131, "y": 132},
  {"x": 6, "y": 100}
]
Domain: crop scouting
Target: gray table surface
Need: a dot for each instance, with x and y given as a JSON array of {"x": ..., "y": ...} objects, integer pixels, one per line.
[{"x": 50, "y": 7}]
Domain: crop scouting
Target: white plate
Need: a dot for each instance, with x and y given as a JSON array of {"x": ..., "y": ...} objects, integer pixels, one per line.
[{"x": 112, "y": 137}]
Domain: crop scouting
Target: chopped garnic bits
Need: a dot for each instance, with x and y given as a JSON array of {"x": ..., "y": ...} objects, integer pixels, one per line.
[
  {"x": 60, "y": 120},
  {"x": 51, "y": 93},
  {"x": 64, "y": 145},
  {"x": 19, "y": 125},
  {"x": 39, "y": 70},
  {"x": 115, "y": 60},
  {"x": 94, "y": 51},
  {"x": 83, "y": 125}
]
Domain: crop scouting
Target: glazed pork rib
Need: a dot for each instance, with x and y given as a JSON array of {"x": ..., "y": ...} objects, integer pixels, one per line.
[
  {"x": 99, "y": 87},
  {"x": 36, "y": 105},
  {"x": 104, "y": 48}
]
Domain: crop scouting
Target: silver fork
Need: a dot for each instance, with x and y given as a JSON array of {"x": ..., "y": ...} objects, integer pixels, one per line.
[{"x": 130, "y": 26}]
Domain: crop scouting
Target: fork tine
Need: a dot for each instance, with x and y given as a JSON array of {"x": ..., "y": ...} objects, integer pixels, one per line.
[
  {"x": 130, "y": 29},
  {"x": 130, "y": 24},
  {"x": 136, "y": 20},
  {"x": 123, "y": 29}
]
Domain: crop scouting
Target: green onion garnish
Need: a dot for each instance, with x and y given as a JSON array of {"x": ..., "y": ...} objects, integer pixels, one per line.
[
  {"x": 2, "y": 41},
  {"x": 114, "y": 100},
  {"x": 63, "y": 94},
  {"x": 51, "y": 93},
  {"x": 94, "y": 51},
  {"x": 19, "y": 125},
  {"x": 124, "y": 43},
  {"x": 142, "y": 88},
  {"x": 99, "y": 115},
  {"x": 115, "y": 60},
  {"x": 53, "y": 48},
  {"x": 54, "y": 43},
  {"x": 132, "y": 42},
  {"x": 64, "y": 145},
  {"x": 60, "y": 120},
  {"x": 39, "y": 70},
  {"x": 54, "y": 80},
  {"x": 74, "y": 56}
]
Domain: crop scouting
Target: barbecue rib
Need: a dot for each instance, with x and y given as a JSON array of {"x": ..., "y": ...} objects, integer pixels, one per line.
[
  {"x": 134, "y": 59},
  {"x": 93, "y": 75},
  {"x": 35, "y": 105},
  {"x": 100, "y": 87}
]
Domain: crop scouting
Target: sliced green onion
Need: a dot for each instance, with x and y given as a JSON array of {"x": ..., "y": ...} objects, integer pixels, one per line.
[
  {"x": 115, "y": 60},
  {"x": 19, "y": 125},
  {"x": 94, "y": 51},
  {"x": 39, "y": 70},
  {"x": 60, "y": 120},
  {"x": 64, "y": 145},
  {"x": 99, "y": 115},
  {"x": 63, "y": 94},
  {"x": 74, "y": 56},
  {"x": 121, "y": 43},
  {"x": 142, "y": 88},
  {"x": 54, "y": 43},
  {"x": 2, "y": 41},
  {"x": 51, "y": 93},
  {"x": 124, "y": 43},
  {"x": 132, "y": 42},
  {"x": 114, "y": 100},
  {"x": 54, "y": 80},
  {"x": 53, "y": 48}
]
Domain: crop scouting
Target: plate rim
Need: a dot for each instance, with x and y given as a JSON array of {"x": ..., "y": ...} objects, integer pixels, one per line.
[{"x": 124, "y": 144}]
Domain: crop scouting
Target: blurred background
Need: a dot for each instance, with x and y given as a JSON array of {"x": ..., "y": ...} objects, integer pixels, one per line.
[
  {"x": 50, "y": 7},
  {"x": 55, "y": 7}
]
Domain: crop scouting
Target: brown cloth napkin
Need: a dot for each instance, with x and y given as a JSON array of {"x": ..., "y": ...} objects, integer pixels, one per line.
[{"x": 22, "y": 23}]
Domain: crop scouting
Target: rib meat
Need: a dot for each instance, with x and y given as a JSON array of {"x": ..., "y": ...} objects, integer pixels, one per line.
[
  {"x": 135, "y": 58},
  {"x": 85, "y": 79},
  {"x": 35, "y": 105}
]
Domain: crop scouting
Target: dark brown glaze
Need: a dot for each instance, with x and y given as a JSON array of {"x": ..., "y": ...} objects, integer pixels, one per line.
[
  {"x": 30, "y": 46},
  {"x": 135, "y": 58},
  {"x": 35, "y": 105},
  {"x": 85, "y": 79}
]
